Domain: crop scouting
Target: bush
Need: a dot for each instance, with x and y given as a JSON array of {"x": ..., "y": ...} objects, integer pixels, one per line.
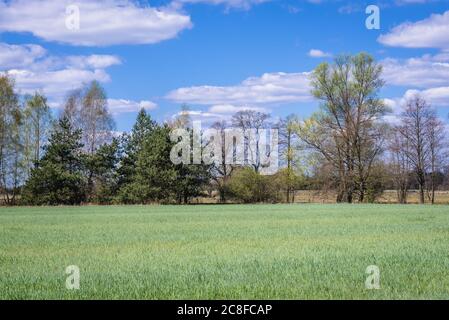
[
  {"x": 248, "y": 186},
  {"x": 51, "y": 185}
]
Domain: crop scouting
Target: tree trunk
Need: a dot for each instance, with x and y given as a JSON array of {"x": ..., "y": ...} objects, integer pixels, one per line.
[{"x": 421, "y": 194}]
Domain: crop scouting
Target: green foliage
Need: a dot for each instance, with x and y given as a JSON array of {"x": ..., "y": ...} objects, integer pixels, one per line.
[
  {"x": 248, "y": 186},
  {"x": 153, "y": 174},
  {"x": 289, "y": 180},
  {"x": 11, "y": 142},
  {"x": 348, "y": 131},
  {"x": 37, "y": 121},
  {"x": 147, "y": 174},
  {"x": 376, "y": 183},
  {"x": 50, "y": 184},
  {"x": 102, "y": 167},
  {"x": 59, "y": 176},
  {"x": 190, "y": 181},
  {"x": 132, "y": 144}
]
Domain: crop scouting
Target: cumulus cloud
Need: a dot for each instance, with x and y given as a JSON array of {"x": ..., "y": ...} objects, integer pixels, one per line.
[
  {"x": 55, "y": 84},
  {"x": 270, "y": 88},
  {"x": 428, "y": 33},
  {"x": 35, "y": 70},
  {"x": 438, "y": 97},
  {"x": 315, "y": 53},
  {"x": 16, "y": 56},
  {"x": 102, "y": 22},
  {"x": 93, "y": 61},
  {"x": 422, "y": 72},
  {"x": 119, "y": 106}
]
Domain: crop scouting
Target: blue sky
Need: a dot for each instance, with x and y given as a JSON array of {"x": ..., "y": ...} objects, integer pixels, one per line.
[{"x": 219, "y": 56}]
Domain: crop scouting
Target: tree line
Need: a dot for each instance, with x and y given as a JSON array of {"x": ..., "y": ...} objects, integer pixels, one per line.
[{"x": 346, "y": 147}]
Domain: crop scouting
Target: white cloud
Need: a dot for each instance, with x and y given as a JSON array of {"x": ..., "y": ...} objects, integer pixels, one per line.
[
  {"x": 423, "y": 72},
  {"x": 55, "y": 84},
  {"x": 216, "y": 113},
  {"x": 231, "y": 109},
  {"x": 438, "y": 97},
  {"x": 93, "y": 61},
  {"x": 35, "y": 70},
  {"x": 428, "y": 33},
  {"x": 102, "y": 22},
  {"x": 119, "y": 106},
  {"x": 391, "y": 103},
  {"x": 270, "y": 88},
  {"x": 315, "y": 53},
  {"x": 206, "y": 118},
  {"x": 16, "y": 56}
]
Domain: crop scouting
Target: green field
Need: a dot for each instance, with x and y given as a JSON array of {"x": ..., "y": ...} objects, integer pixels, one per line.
[{"x": 225, "y": 252}]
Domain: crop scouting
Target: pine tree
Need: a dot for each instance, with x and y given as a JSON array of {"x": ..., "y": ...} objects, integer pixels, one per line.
[
  {"x": 154, "y": 174},
  {"x": 132, "y": 144},
  {"x": 59, "y": 177},
  {"x": 102, "y": 167}
]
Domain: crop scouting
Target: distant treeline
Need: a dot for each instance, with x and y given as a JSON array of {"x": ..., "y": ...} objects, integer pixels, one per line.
[{"x": 347, "y": 147}]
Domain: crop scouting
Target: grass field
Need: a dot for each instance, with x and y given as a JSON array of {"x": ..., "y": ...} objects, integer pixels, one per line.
[{"x": 225, "y": 252}]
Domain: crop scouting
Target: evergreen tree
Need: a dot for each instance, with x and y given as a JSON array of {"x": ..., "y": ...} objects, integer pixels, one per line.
[
  {"x": 190, "y": 180},
  {"x": 132, "y": 144},
  {"x": 154, "y": 174},
  {"x": 59, "y": 178},
  {"x": 102, "y": 167}
]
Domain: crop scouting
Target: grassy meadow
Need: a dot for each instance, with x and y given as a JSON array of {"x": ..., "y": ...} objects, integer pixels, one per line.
[{"x": 305, "y": 251}]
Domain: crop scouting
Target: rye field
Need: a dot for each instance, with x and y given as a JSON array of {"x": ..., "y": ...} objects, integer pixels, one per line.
[{"x": 300, "y": 251}]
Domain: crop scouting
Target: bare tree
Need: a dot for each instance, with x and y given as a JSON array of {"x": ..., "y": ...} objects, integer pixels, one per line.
[
  {"x": 87, "y": 109},
  {"x": 416, "y": 120},
  {"x": 251, "y": 122},
  {"x": 96, "y": 121},
  {"x": 221, "y": 172},
  {"x": 401, "y": 167},
  {"x": 72, "y": 108},
  {"x": 435, "y": 136}
]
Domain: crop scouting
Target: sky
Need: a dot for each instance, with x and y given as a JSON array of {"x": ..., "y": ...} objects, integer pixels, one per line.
[{"x": 219, "y": 56}]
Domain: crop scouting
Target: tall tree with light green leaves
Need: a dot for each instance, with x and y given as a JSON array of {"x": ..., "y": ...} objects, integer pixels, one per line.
[
  {"x": 96, "y": 122},
  {"x": 348, "y": 131},
  {"x": 288, "y": 148},
  {"x": 11, "y": 146},
  {"x": 37, "y": 121}
]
